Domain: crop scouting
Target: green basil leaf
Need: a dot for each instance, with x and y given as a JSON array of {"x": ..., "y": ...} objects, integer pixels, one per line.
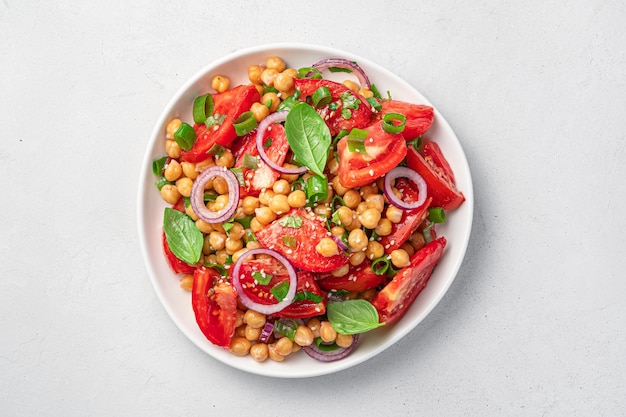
[
  {"x": 308, "y": 137},
  {"x": 219, "y": 268},
  {"x": 183, "y": 237},
  {"x": 352, "y": 316},
  {"x": 294, "y": 222}
]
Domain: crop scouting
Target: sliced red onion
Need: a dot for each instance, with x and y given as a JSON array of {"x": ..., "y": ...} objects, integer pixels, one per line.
[
  {"x": 260, "y": 133},
  {"x": 267, "y": 331},
  {"x": 332, "y": 355},
  {"x": 197, "y": 195},
  {"x": 413, "y": 176},
  {"x": 342, "y": 246},
  {"x": 344, "y": 63},
  {"x": 264, "y": 308}
]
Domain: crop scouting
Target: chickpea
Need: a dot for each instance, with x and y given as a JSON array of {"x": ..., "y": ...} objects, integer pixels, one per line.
[
  {"x": 172, "y": 149},
  {"x": 417, "y": 240},
  {"x": 327, "y": 247},
  {"x": 240, "y": 252},
  {"x": 249, "y": 204},
  {"x": 202, "y": 165},
  {"x": 240, "y": 346},
  {"x": 327, "y": 332},
  {"x": 357, "y": 240},
  {"x": 186, "y": 282},
  {"x": 210, "y": 259},
  {"x": 279, "y": 204},
  {"x": 283, "y": 82},
  {"x": 357, "y": 258},
  {"x": 220, "y": 83},
  {"x": 220, "y": 202},
  {"x": 345, "y": 215},
  {"x": 253, "y": 244},
  {"x": 233, "y": 245},
  {"x": 297, "y": 199},
  {"x": 204, "y": 227},
  {"x": 356, "y": 223},
  {"x": 259, "y": 352},
  {"x": 337, "y": 231},
  {"x": 351, "y": 198},
  {"x": 236, "y": 231},
  {"x": 190, "y": 212},
  {"x": 264, "y": 215},
  {"x": 275, "y": 62},
  {"x": 408, "y": 248},
  {"x": 374, "y": 250},
  {"x": 369, "y": 218},
  {"x": 368, "y": 189},
  {"x": 261, "y": 111},
  {"x": 400, "y": 258},
  {"x": 323, "y": 210},
  {"x": 368, "y": 294},
  {"x": 333, "y": 166},
  {"x": 254, "y": 319},
  {"x": 240, "y": 331},
  {"x": 220, "y": 185},
  {"x": 303, "y": 336},
  {"x": 189, "y": 170},
  {"x": 291, "y": 71},
  {"x": 272, "y": 99},
  {"x": 282, "y": 187},
  {"x": 383, "y": 228},
  {"x": 266, "y": 196},
  {"x": 339, "y": 189},
  {"x": 255, "y": 225},
  {"x": 375, "y": 201},
  {"x": 172, "y": 171},
  {"x": 170, "y": 193},
  {"x": 283, "y": 346},
  {"x": 252, "y": 333},
  {"x": 273, "y": 354},
  {"x": 239, "y": 318},
  {"x": 351, "y": 85},
  {"x": 260, "y": 88},
  {"x": 360, "y": 209},
  {"x": 394, "y": 214},
  {"x": 267, "y": 77},
  {"x": 343, "y": 340},
  {"x": 254, "y": 73},
  {"x": 289, "y": 177},
  {"x": 184, "y": 186},
  {"x": 341, "y": 271},
  {"x": 217, "y": 240},
  {"x": 314, "y": 324},
  {"x": 366, "y": 92},
  {"x": 226, "y": 159},
  {"x": 172, "y": 127}
]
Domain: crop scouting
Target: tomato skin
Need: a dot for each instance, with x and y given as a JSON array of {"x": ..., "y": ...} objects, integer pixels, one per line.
[
  {"x": 305, "y": 308},
  {"x": 177, "y": 265},
  {"x": 411, "y": 219},
  {"x": 419, "y": 117},
  {"x": 443, "y": 192},
  {"x": 216, "y": 313},
  {"x": 304, "y": 255},
  {"x": 393, "y": 301},
  {"x": 359, "y": 278},
  {"x": 360, "y": 117},
  {"x": 230, "y": 103},
  {"x": 384, "y": 151}
]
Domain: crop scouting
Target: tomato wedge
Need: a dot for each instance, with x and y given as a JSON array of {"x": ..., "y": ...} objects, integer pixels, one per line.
[
  {"x": 342, "y": 99},
  {"x": 359, "y": 278},
  {"x": 313, "y": 299},
  {"x": 393, "y": 301},
  {"x": 231, "y": 104},
  {"x": 177, "y": 265},
  {"x": 419, "y": 117},
  {"x": 402, "y": 230},
  {"x": 214, "y": 304},
  {"x": 384, "y": 151},
  {"x": 432, "y": 151},
  {"x": 301, "y": 242},
  {"x": 440, "y": 187}
]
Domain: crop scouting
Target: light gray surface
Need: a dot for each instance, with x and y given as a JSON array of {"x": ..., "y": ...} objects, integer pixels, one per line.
[{"x": 534, "y": 323}]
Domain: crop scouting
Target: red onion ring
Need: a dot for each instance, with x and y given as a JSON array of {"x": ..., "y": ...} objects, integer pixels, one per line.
[
  {"x": 329, "y": 356},
  {"x": 267, "y": 331},
  {"x": 247, "y": 301},
  {"x": 260, "y": 133},
  {"x": 342, "y": 246},
  {"x": 344, "y": 63},
  {"x": 197, "y": 195},
  {"x": 413, "y": 176}
]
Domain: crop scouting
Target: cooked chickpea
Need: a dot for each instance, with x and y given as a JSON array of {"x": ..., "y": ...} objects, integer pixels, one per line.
[
  {"x": 374, "y": 250},
  {"x": 341, "y": 271},
  {"x": 314, "y": 324},
  {"x": 260, "y": 89},
  {"x": 172, "y": 171},
  {"x": 220, "y": 185},
  {"x": 369, "y": 218},
  {"x": 357, "y": 258},
  {"x": 240, "y": 252},
  {"x": 400, "y": 258},
  {"x": 253, "y": 244},
  {"x": 191, "y": 213},
  {"x": 184, "y": 186},
  {"x": 267, "y": 77},
  {"x": 303, "y": 336},
  {"x": 189, "y": 170},
  {"x": 375, "y": 201},
  {"x": 360, "y": 209},
  {"x": 279, "y": 204},
  {"x": 203, "y": 226},
  {"x": 233, "y": 245},
  {"x": 368, "y": 189},
  {"x": 236, "y": 231},
  {"x": 266, "y": 196},
  {"x": 210, "y": 259},
  {"x": 220, "y": 83},
  {"x": 351, "y": 85},
  {"x": 249, "y": 204},
  {"x": 327, "y": 332},
  {"x": 368, "y": 294},
  {"x": 275, "y": 62},
  {"x": 383, "y": 228},
  {"x": 417, "y": 240},
  {"x": 272, "y": 99},
  {"x": 240, "y": 346},
  {"x": 289, "y": 177},
  {"x": 254, "y": 73},
  {"x": 240, "y": 331},
  {"x": 296, "y": 199},
  {"x": 259, "y": 352},
  {"x": 394, "y": 214},
  {"x": 283, "y": 82},
  {"x": 273, "y": 354},
  {"x": 345, "y": 215},
  {"x": 265, "y": 215},
  {"x": 220, "y": 202},
  {"x": 254, "y": 319},
  {"x": 260, "y": 111},
  {"x": 172, "y": 127},
  {"x": 217, "y": 240},
  {"x": 366, "y": 92},
  {"x": 239, "y": 318},
  {"x": 356, "y": 223},
  {"x": 252, "y": 333},
  {"x": 186, "y": 282},
  {"x": 255, "y": 225},
  {"x": 343, "y": 340},
  {"x": 323, "y": 210},
  {"x": 339, "y": 189},
  {"x": 170, "y": 193},
  {"x": 337, "y": 231},
  {"x": 327, "y": 247},
  {"x": 202, "y": 165},
  {"x": 351, "y": 198},
  {"x": 226, "y": 159},
  {"x": 283, "y": 346},
  {"x": 333, "y": 166},
  {"x": 282, "y": 187},
  {"x": 408, "y": 248},
  {"x": 172, "y": 149},
  {"x": 357, "y": 240}
]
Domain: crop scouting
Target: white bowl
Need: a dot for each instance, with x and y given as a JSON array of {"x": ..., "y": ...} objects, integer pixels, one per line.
[{"x": 150, "y": 207}]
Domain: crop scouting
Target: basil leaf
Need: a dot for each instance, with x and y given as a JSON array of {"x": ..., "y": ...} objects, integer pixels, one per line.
[
  {"x": 219, "y": 268},
  {"x": 294, "y": 222},
  {"x": 352, "y": 316},
  {"x": 308, "y": 137},
  {"x": 183, "y": 237}
]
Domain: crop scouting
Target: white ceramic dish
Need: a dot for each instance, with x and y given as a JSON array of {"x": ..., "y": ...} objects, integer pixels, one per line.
[{"x": 150, "y": 211}]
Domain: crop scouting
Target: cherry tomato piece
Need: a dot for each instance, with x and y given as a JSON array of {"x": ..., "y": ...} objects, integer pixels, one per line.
[
  {"x": 419, "y": 117},
  {"x": 359, "y": 278}
]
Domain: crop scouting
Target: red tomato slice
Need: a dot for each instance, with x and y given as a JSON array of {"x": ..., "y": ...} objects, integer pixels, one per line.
[
  {"x": 303, "y": 255},
  {"x": 411, "y": 219},
  {"x": 261, "y": 293},
  {"x": 359, "y": 117},
  {"x": 419, "y": 117},
  {"x": 384, "y": 151},
  {"x": 396, "y": 297},
  {"x": 230, "y": 103},
  {"x": 214, "y": 304},
  {"x": 432, "y": 151},
  {"x": 177, "y": 265},
  {"x": 359, "y": 278},
  {"x": 440, "y": 187}
]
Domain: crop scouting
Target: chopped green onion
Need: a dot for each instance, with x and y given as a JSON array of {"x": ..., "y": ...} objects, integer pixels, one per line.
[
  {"x": 158, "y": 165},
  {"x": 341, "y": 134},
  {"x": 374, "y": 103},
  {"x": 209, "y": 197},
  {"x": 316, "y": 188},
  {"x": 321, "y": 97},
  {"x": 269, "y": 89},
  {"x": 239, "y": 174},
  {"x": 333, "y": 106},
  {"x": 289, "y": 241},
  {"x": 286, "y": 327},
  {"x": 337, "y": 199},
  {"x": 249, "y": 161},
  {"x": 203, "y": 108},
  {"x": 280, "y": 290},
  {"x": 217, "y": 150},
  {"x": 229, "y": 260},
  {"x": 436, "y": 215},
  {"x": 339, "y": 69},
  {"x": 287, "y": 104},
  {"x": 245, "y": 123},
  {"x": 261, "y": 277},
  {"x": 380, "y": 265},
  {"x": 427, "y": 233},
  {"x": 228, "y": 226},
  {"x": 161, "y": 182},
  {"x": 325, "y": 347},
  {"x": 249, "y": 237},
  {"x": 416, "y": 143},
  {"x": 389, "y": 124},
  {"x": 215, "y": 119},
  {"x": 304, "y": 73},
  {"x": 268, "y": 143},
  {"x": 356, "y": 140},
  {"x": 307, "y": 296},
  {"x": 375, "y": 92},
  {"x": 186, "y": 201},
  {"x": 219, "y": 268},
  {"x": 185, "y": 136}
]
